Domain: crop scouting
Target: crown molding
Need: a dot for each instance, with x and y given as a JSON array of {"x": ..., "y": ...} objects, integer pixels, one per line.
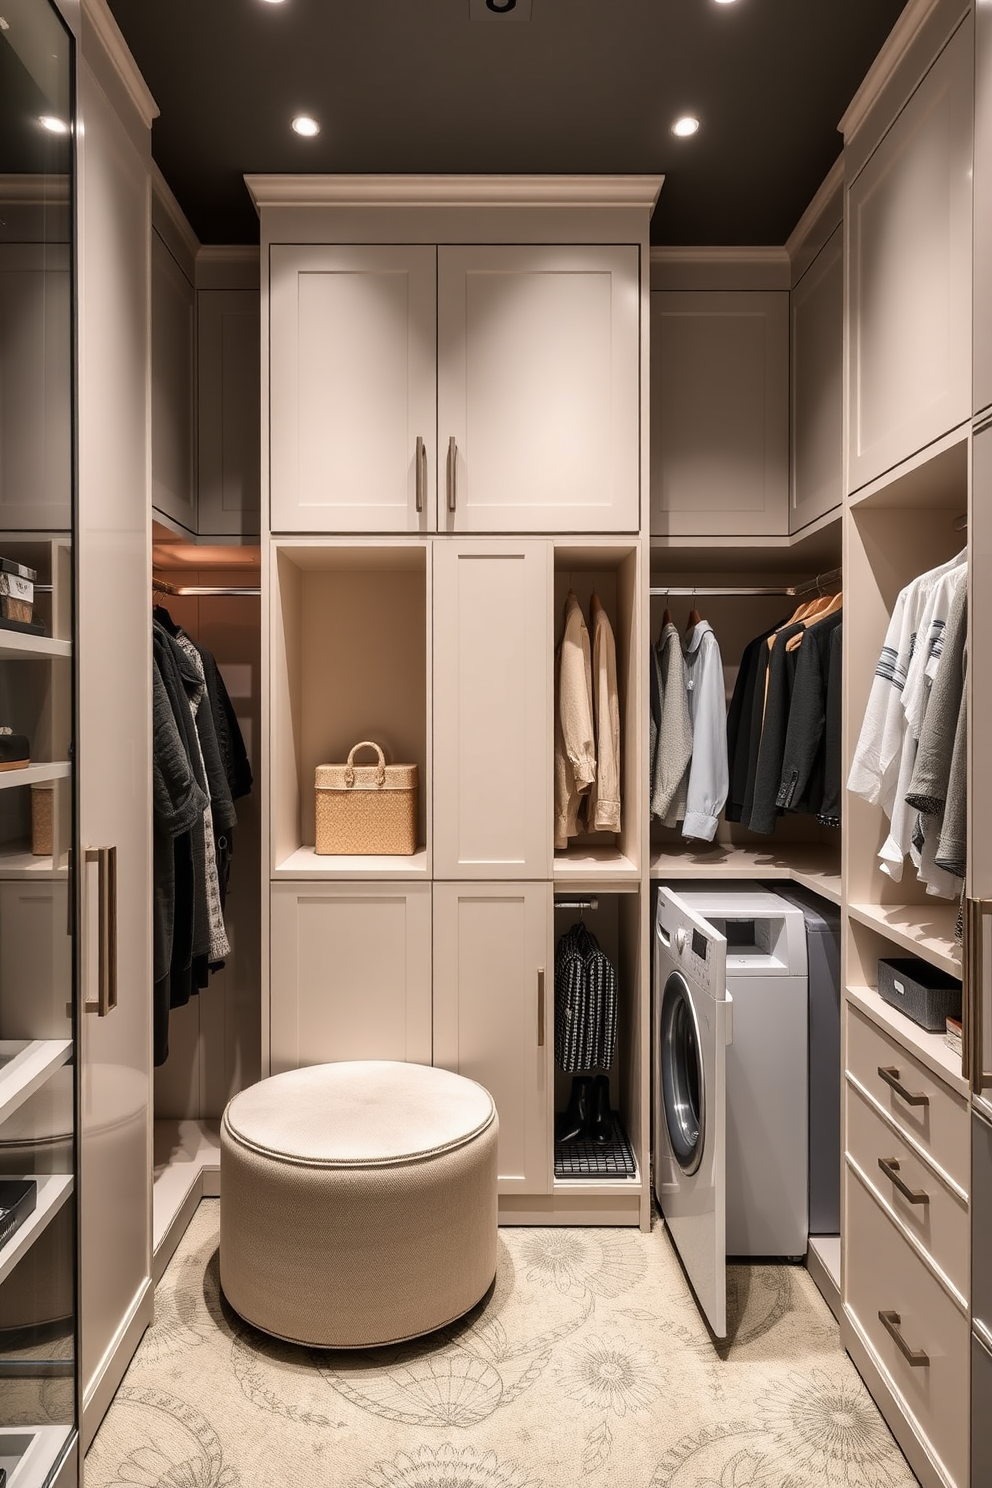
[
  {"x": 34, "y": 190},
  {"x": 164, "y": 200},
  {"x": 228, "y": 266},
  {"x": 761, "y": 256},
  {"x": 98, "y": 15},
  {"x": 454, "y": 190},
  {"x": 825, "y": 210},
  {"x": 894, "y": 52},
  {"x": 720, "y": 268}
]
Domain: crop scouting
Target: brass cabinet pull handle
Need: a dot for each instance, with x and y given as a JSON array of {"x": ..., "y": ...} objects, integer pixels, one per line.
[
  {"x": 540, "y": 1007},
  {"x": 890, "y": 1322},
  {"x": 451, "y": 474},
  {"x": 890, "y": 1167},
  {"x": 421, "y": 461},
  {"x": 106, "y": 861},
  {"x": 890, "y": 1074}
]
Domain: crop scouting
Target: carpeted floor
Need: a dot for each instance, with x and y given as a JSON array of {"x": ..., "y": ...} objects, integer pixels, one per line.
[{"x": 587, "y": 1364}]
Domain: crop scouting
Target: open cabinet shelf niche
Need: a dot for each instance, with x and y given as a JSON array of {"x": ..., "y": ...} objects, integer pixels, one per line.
[
  {"x": 36, "y": 701},
  {"x": 897, "y": 530},
  {"x": 799, "y": 847},
  {"x": 350, "y": 661},
  {"x": 614, "y": 919},
  {"x": 611, "y": 572}
]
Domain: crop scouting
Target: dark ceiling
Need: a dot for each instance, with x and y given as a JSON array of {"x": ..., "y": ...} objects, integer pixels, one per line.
[{"x": 583, "y": 86}]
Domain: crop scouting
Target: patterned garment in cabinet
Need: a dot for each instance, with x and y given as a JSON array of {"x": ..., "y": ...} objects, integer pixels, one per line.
[{"x": 585, "y": 1003}]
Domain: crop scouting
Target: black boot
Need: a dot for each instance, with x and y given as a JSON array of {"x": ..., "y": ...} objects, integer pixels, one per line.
[
  {"x": 600, "y": 1116},
  {"x": 575, "y": 1122}
]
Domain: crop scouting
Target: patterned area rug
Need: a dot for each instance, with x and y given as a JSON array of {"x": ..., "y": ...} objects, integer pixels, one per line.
[{"x": 586, "y": 1364}]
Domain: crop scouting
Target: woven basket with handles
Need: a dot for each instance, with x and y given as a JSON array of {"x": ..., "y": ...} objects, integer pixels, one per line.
[{"x": 366, "y": 808}]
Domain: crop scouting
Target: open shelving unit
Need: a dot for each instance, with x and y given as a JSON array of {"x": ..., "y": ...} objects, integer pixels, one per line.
[
  {"x": 53, "y": 1191},
  {"x": 25, "y": 1066}
]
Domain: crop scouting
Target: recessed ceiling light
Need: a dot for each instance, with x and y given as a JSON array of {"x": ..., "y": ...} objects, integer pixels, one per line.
[
  {"x": 685, "y": 126},
  {"x": 303, "y": 124},
  {"x": 279, "y": 2},
  {"x": 53, "y": 125},
  {"x": 724, "y": 2}
]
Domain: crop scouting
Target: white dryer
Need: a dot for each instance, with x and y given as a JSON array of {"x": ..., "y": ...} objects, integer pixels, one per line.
[{"x": 731, "y": 1147}]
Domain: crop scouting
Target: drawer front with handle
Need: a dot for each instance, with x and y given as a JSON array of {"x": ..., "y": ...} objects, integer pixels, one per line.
[
  {"x": 919, "y": 1337},
  {"x": 932, "y": 1212},
  {"x": 914, "y": 1097}
]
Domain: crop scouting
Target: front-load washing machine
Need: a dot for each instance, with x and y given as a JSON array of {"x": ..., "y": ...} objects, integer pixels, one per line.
[{"x": 730, "y": 1080}]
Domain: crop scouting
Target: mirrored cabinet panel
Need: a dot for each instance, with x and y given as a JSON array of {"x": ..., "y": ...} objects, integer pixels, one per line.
[{"x": 38, "y": 1027}]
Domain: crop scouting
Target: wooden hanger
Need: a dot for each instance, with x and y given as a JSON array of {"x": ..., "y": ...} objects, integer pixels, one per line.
[{"x": 829, "y": 606}]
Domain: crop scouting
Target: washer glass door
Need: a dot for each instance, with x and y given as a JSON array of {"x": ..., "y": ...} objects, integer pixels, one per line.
[{"x": 682, "y": 1074}]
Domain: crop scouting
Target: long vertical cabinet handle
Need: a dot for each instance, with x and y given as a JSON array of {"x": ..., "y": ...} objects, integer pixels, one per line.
[
  {"x": 106, "y": 861},
  {"x": 973, "y": 1021},
  {"x": 452, "y": 474},
  {"x": 421, "y": 472},
  {"x": 540, "y": 1007}
]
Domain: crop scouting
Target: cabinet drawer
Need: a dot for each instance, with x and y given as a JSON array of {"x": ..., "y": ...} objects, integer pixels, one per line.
[
  {"x": 883, "y": 1274},
  {"x": 940, "y": 1222},
  {"x": 938, "y": 1121}
]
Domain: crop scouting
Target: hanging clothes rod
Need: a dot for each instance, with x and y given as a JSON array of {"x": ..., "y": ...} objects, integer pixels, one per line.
[
  {"x": 571, "y": 903},
  {"x": 206, "y": 591},
  {"x": 722, "y": 591}
]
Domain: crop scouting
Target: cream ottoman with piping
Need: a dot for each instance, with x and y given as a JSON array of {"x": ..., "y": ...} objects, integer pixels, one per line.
[{"x": 358, "y": 1202}]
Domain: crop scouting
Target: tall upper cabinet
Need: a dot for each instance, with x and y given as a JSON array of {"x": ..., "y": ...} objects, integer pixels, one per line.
[
  {"x": 75, "y": 852},
  {"x": 453, "y": 442},
  {"x": 39, "y": 1021},
  {"x": 908, "y": 216}
]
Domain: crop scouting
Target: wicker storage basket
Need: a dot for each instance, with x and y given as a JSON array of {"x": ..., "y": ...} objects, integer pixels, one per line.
[{"x": 366, "y": 808}]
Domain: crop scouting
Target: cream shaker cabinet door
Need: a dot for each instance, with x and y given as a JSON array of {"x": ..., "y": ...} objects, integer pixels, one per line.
[
  {"x": 538, "y": 388},
  {"x": 492, "y": 709},
  {"x": 352, "y": 366},
  {"x": 982, "y": 393},
  {"x": 492, "y": 979},
  {"x": 173, "y": 383},
  {"x": 35, "y": 387},
  {"x": 816, "y": 483},
  {"x": 909, "y": 226},
  {"x": 113, "y": 746},
  {"x": 228, "y": 403},
  {"x": 719, "y": 414},
  {"x": 351, "y": 973}
]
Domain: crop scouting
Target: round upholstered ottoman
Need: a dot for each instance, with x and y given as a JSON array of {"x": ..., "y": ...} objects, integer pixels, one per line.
[{"x": 358, "y": 1202}]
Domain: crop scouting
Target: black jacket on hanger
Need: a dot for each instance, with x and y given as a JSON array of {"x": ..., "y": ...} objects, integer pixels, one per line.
[
  {"x": 740, "y": 721},
  {"x": 803, "y": 776}
]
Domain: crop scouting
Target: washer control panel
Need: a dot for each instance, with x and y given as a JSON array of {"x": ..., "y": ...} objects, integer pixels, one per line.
[{"x": 692, "y": 950}]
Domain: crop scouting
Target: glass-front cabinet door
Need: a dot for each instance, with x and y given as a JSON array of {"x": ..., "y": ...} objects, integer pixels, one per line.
[{"x": 38, "y": 979}]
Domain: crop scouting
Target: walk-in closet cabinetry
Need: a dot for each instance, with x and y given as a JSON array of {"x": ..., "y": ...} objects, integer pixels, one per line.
[
  {"x": 906, "y": 1168},
  {"x": 719, "y": 413},
  {"x": 75, "y": 1292},
  {"x": 424, "y": 392},
  {"x": 908, "y": 220},
  {"x": 173, "y": 386},
  {"x": 816, "y": 484},
  {"x": 205, "y": 379},
  {"x": 421, "y": 388}
]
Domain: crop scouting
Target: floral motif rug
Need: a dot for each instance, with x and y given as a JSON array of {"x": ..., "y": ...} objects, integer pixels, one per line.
[{"x": 587, "y": 1364}]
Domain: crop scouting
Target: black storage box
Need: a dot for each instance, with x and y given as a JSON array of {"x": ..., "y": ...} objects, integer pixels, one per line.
[{"x": 919, "y": 990}]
